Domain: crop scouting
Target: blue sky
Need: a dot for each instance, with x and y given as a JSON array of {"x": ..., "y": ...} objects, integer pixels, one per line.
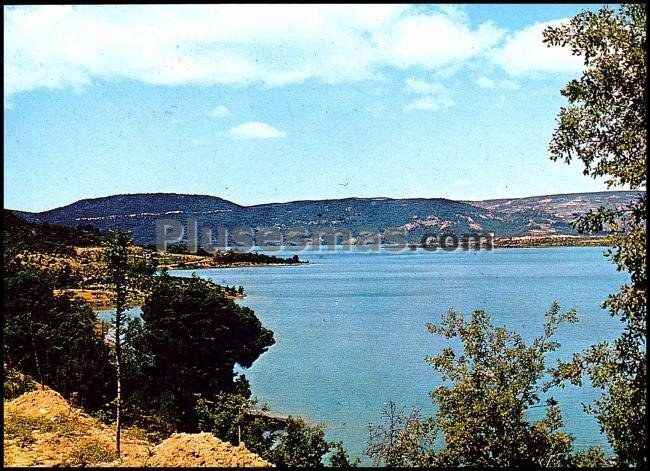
[{"x": 260, "y": 104}]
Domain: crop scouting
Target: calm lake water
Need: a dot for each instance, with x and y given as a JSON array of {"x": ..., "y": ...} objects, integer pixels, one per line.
[{"x": 350, "y": 326}]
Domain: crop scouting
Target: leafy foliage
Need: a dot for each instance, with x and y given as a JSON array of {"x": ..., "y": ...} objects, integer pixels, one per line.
[
  {"x": 53, "y": 339},
  {"x": 227, "y": 416},
  {"x": 125, "y": 269},
  {"x": 184, "y": 349},
  {"x": 189, "y": 341},
  {"x": 495, "y": 380},
  {"x": 483, "y": 409},
  {"x": 604, "y": 124},
  {"x": 605, "y": 127},
  {"x": 178, "y": 363},
  {"x": 340, "y": 457}
]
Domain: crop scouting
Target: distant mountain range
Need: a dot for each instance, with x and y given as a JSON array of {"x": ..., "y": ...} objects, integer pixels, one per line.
[{"x": 533, "y": 216}]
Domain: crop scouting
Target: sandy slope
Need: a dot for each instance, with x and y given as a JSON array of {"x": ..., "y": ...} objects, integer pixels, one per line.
[{"x": 42, "y": 429}]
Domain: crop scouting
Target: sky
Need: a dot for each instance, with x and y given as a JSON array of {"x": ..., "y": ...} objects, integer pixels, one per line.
[{"x": 272, "y": 103}]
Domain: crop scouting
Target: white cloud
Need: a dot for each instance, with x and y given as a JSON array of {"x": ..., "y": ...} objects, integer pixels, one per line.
[
  {"x": 70, "y": 46},
  {"x": 220, "y": 112},
  {"x": 429, "y": 103},
  {"x": 272, "y": 45},
  {"x": 434, "y": 41},
  {"x": 524, "y": 52},
  {"x": 485, "y": 82},
  {"x": 256, "y": 130}
]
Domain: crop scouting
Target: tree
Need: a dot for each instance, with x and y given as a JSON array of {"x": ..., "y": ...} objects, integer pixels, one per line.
[
  {"x": 123, "y": 273},
  {"x": 190, "y": 339},
  {"x": 604, "y": 126},
  {"x": 483, "y": 408},
  {"x": 340, "y": 457},
  {"x": 227, "y": 416},
  {"x": 137, "y": 375},
  {"x": 483, "y": 413},
  {"x": 54, "y": 339},
  {"x": 300, "y": 445}
]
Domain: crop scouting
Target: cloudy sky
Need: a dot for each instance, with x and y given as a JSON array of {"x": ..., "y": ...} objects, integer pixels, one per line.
[{"x": 269, "y": 103}]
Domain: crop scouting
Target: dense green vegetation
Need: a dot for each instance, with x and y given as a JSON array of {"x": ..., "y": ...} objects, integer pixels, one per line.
[
  {"x": 20, "y": 235},
  {"x": 485, "y": 414},
  {"x": 54, "y": 339},
  {"x": 286, "y": 442},
  {"x": 187, "y": 343},
  {"x": 173, "y": 370},
  {"x": 179, "y": 362}
]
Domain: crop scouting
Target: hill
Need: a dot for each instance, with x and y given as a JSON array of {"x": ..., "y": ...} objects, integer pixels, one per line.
[
  {"x": 533, "y": 216},
  {"x": 45, "y": 237}
]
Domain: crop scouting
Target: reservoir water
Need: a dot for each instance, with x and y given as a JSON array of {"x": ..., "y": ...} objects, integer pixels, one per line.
[{"x": 350, "y": 326}]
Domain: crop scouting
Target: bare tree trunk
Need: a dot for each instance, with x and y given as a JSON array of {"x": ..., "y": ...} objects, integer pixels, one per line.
[
  {"x": 119, "y": 310},
  {"x": 118, "y": 362},
  {"x": 38, "y": 363}
]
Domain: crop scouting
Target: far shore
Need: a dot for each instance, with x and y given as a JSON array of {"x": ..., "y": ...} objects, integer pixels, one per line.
[{"x": 497, "y": 243}]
